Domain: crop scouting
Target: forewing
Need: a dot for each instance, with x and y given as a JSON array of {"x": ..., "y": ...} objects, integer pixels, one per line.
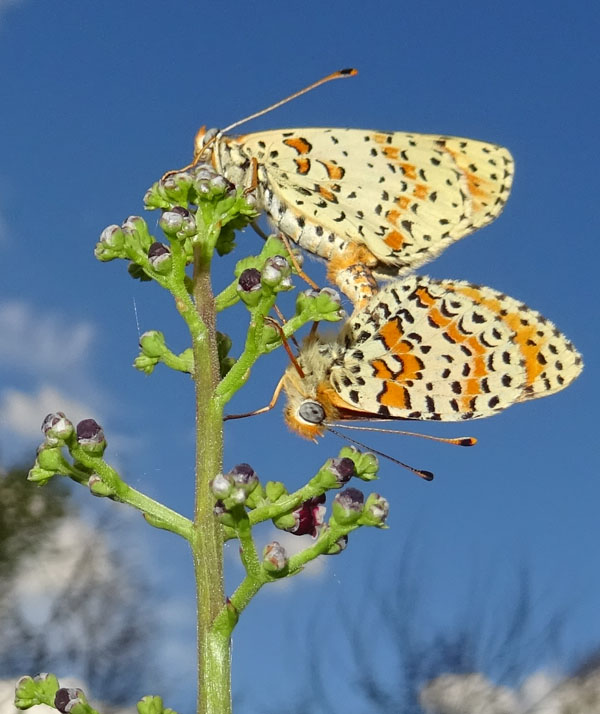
[
  {"x": 405, "y": 196},
  {"x": 448, "y": 350}
]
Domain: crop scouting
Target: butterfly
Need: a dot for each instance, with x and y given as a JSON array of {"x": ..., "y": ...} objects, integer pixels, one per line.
[
  {"x": 425, "y": 349},
  {"x": 372, "y": 204}
]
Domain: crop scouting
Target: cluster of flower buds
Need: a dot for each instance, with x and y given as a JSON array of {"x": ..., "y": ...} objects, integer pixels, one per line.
[
  {"x": 129, "y": 240},
  {"x": 31, "y": 691},
  {"x": 275, "y": 277},
  {"x": 233, "y": 488},
  {"x": 320, "y": 305},
  {"x": 187, "y": 187},
  {"x": 178, "y": 223},
  {"x": 59, "y": 432}
]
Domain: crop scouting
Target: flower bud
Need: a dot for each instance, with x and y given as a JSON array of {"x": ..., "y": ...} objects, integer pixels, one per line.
[
  {"x": 173, "y": 189},
  {"x": 244, "y": 477},
  {"x": 366, "y": 464},
  {"x": 50, "y": 458},
  {"x": 136, "y": 232},
  {"x": 90, "y": 437},
  {"x": 221, "y": 486},
  {"x": 152, "y": 344},
  {"x": 335, "y": 473},
  {"x": 172, "y": 221},
  {"x": 249, "y": 280},
  {"x": 208, "y": 183},
  {"x": 274, "y": 490},
  {"x": 159, "y": 257},
  {"x": 338, "y": 546},
  {"x": 303, "y": 300},
  {"x": 111, "y": 244},
  {"x": 223, "y": 515},
  {"x": 376, "y": 511},
  {"x": 249, "y": 287},
  {"x": 274, "y": 270},
  {"x": 30, "y": 691},
  {"x": 347, "y": 506},
  {"x": 39, "y": 475},
  {"x": 67, "y": 697},
  {"x": 275, "y": 560},
  {"x": 332, "y": 294},
  {"x": 98, "y": 487},
  {"x": 56, "y": 427}
]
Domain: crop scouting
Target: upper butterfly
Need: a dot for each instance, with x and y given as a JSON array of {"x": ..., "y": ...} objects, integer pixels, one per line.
[{"x": 368, "y": 202}]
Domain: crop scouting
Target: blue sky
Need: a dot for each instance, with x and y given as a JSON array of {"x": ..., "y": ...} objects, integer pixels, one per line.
[{"x": 99, "y": 99}]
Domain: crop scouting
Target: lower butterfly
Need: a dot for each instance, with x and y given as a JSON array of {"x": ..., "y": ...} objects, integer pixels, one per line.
[
  {"x": 370, "y": 203},
  {"x": 426, "y": 349}
]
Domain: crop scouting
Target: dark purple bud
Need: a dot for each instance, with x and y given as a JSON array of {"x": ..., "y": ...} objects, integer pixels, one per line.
[
  {"x": 157, "y": 249},
  {"x": 159, "y": 256},
  {"x": 66, "y": 698},
  {"x": 90, "y": 436},
  {"x": 89, "y": 430},
  {"x": 183, "y": 212},
  {"x": 249, "y": 280},
  {"x": 343, "y": 469},
  {"x": 347, "y": 506},
  {"x": 244, "y": 476}
]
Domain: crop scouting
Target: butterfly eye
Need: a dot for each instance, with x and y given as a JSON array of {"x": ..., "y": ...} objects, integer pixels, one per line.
[
  {"x": 208, "y": 136},
  {"x": 311, "y": 412}
]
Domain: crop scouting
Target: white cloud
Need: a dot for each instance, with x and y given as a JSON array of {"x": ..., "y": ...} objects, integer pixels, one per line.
[
  {"x": 40, "y": 342},
  {"x": 63, "y": 551},
  {"x": 23, "y": 413},
  {"x": 541, "y": 693}
]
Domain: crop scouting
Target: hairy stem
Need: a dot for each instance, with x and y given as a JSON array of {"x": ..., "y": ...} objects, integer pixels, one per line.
[{"x": 214, "y": 669}]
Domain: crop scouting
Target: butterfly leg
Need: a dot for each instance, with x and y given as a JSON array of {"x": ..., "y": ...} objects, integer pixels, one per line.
[
  {"x": 262, "y": 410},
  {"x": 286, "y": 242}
]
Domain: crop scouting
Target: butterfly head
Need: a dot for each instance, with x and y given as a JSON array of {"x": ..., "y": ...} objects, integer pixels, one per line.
[{"x": 204, "y": 140}]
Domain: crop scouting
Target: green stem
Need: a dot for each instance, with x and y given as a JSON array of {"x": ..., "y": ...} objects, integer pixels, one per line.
[
  {"x": 240, "y": 372},
  {"x": 214, "y": 668},
  {"x": 155, "y": 513}
]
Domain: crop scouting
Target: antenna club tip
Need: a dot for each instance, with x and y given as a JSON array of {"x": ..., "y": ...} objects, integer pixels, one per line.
[
  {"x": 467, "y": 441},
  {"x": 426, "y": 475},
  {"x": 348, "y": 72}
]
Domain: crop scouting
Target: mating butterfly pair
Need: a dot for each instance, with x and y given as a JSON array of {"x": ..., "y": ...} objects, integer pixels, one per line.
[{"x": 378, "y": 205}]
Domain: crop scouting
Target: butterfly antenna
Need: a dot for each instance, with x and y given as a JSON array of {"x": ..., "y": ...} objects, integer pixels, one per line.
[
  {"x": 286, "y": 345},
  {"x": 456, "y": 441},
  {"x": 426, "y": 475},
  {"x": 340, "y": 74}
]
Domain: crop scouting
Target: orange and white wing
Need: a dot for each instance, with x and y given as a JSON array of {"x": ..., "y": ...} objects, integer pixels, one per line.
[
  {"x": 446, "y": 350},
  {"x": 405, "y": 197}
]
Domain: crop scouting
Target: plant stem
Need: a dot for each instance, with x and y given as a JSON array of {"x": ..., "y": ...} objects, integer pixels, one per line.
[{"x": 214, "y": 667}]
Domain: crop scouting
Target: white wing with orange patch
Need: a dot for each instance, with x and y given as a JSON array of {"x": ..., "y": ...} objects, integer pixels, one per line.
[
  {"x": 430, "y": 349},
  {"x": 401, "y": 197}
]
